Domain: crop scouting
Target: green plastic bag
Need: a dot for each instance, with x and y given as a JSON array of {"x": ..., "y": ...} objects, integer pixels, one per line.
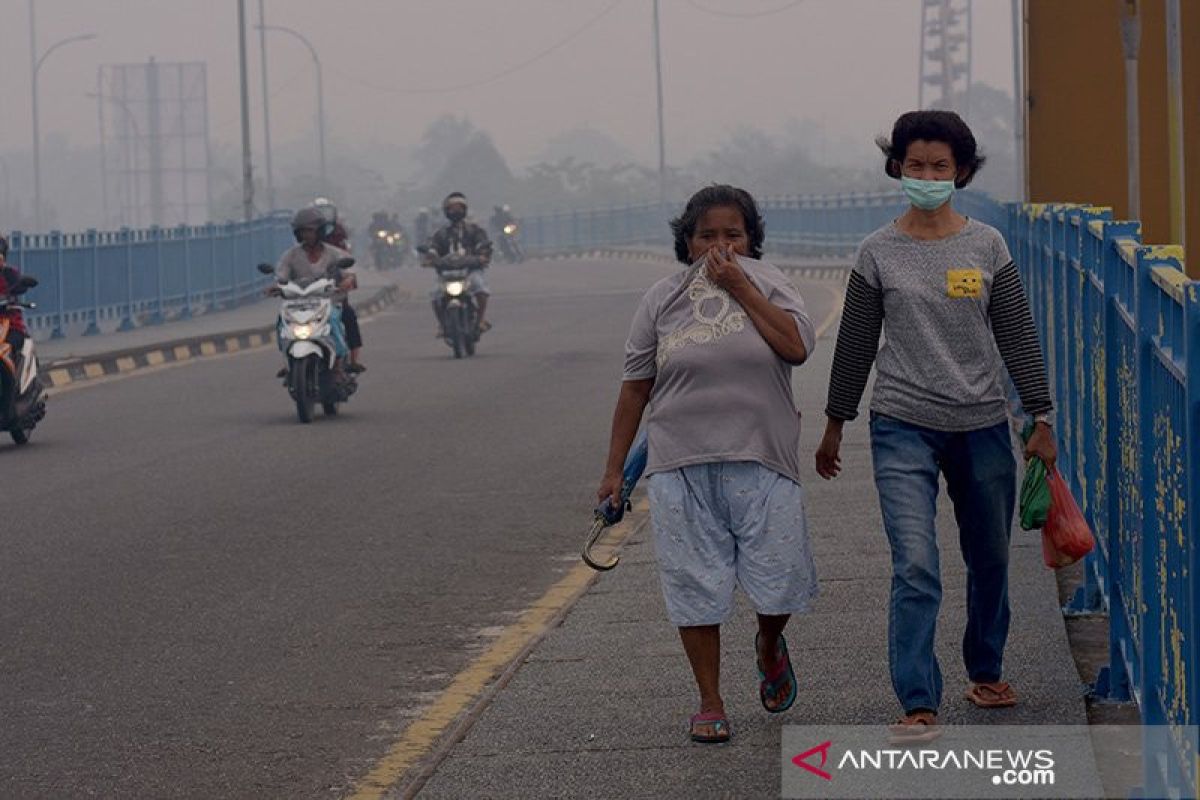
[{"x": 1035, "y": 490}]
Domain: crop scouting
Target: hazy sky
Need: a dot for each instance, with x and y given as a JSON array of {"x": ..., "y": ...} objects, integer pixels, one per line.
[{"x": 850, "y": 64}]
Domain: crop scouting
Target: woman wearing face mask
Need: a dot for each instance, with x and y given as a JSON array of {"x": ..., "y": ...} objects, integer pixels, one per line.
[{"x": 946, "y": 292}]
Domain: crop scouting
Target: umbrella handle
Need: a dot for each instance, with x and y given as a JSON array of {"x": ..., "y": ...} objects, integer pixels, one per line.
[{"x": 598, "y": 528}]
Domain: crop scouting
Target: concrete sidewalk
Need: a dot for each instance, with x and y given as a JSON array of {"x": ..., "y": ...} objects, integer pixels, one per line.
[{"x": 600, "y": 707}]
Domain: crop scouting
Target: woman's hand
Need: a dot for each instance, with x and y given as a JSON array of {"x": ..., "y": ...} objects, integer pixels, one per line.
[
  {"x": 829, "y": 460},
  {"x": 610, "y": 489},
  {"x": 1041, "y": 444},
  {"x": 723, "y": 269}
]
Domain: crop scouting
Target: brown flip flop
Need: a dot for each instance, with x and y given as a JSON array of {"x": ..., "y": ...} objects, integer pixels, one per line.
[
  {"x": 991, "y": 695},
  {"x": 915, "y": 728}
]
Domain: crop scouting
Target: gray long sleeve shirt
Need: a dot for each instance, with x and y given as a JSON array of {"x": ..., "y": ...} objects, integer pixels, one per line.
[{"x": 953, "y": 313}]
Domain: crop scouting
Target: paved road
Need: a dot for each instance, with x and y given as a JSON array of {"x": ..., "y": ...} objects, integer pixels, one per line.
[{"x": 201, "y": 598}]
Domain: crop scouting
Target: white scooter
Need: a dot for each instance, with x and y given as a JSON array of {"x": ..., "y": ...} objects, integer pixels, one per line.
[{"x": 306, "y": 337}]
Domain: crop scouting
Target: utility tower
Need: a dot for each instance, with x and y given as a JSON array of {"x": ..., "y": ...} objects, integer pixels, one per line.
[{"x": 945, "y": 80}]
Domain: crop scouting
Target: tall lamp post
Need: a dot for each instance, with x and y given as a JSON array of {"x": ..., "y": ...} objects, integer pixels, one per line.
[
  {"x": 262, "y": 49},
  {"x": 662, "y": 145},
  {"x": 35, "y": 63},
  {"x": 320, "y": 96}
]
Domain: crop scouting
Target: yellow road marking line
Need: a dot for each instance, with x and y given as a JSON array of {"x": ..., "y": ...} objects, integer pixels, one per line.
[
  {"x": 125, "y": 364},
  {"x": 208, "y": 349},
  {"x": 420, "y": 737},
  {"x": 155, "y": 357},
  {"x": 232, "y": 345},
  {"x": 182, "y": 353},
  {"x": 93, "y": 370},
  {"x": 60, "y": 377}
]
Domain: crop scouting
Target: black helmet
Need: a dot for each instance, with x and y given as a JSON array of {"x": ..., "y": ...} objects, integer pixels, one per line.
[
  {"x": 453, "y": 199},
  {"x": 308, "y": 217}
]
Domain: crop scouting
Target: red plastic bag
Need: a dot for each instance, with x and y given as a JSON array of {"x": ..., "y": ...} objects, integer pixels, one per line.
[{"x": 1066, "y": 537}]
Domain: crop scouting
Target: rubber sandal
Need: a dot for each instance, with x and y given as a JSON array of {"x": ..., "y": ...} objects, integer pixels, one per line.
[
  {"x": 769, "y": 685},
  {"x": 915, "y": 728},
  {"x": 987, "y": 695},
  {"x": 720, "y": 727}
]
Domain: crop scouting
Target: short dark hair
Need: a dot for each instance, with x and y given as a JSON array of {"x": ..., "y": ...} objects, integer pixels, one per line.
[
  {"x": 933, "y": 125},
  {"x": 717, "y": 196}
]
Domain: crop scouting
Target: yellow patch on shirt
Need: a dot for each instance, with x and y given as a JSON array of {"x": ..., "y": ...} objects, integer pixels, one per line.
[{"x": 964, "y": 283}]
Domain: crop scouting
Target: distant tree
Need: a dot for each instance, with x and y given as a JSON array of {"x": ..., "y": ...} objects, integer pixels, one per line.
[
  {"x": 445, "y": 137},
  {"x": 598, "y": 147},
  {"x": 992, "y": 117},
  {"x": 478, "y": 170}
]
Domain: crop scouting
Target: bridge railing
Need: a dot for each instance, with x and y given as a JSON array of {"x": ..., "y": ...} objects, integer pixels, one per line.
[
  {"x": 814, "y": 225},
  {"x": 1120, "y": 322},
  {"x": 133, "y": 277}
]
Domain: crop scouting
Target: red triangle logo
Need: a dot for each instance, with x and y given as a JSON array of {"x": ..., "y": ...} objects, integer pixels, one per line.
[{"x": 802, "y": 760}]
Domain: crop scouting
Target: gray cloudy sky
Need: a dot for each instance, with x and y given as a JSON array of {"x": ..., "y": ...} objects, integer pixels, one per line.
[{"x": 849, "y": 64}]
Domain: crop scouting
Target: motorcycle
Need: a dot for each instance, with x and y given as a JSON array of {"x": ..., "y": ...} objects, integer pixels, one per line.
[
  {"x": 22, "y": 396},
  {"x": 305, "y": 335},
  {"x": 388, "y": 248},
  {"x": 510, "y": 246},
  {"x": 460, "y": 310}
]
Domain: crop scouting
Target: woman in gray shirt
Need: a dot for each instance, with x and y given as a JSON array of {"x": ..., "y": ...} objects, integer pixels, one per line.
[
  {"x": 945, "y": 292},
  {"x": 710, "y": 354}
]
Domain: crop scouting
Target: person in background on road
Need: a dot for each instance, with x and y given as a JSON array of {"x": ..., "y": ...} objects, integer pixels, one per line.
[
  {"x": 421, "y": 226},
  {"x": 501, "y": 216},
  {"x": 710, "y": 355},
  {"x": 9, "y": 276},
  {"x": 310, "y": 259},
  {"x": 944, "y": 289},
  {"x": 334, "y": 233},
  {"x": 470, "y": 243}
]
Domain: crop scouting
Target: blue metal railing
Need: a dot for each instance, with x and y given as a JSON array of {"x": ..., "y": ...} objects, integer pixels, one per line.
[
  {"x": 1120, "y": 322},
  {"x": 818, "y": 225},
  {"x": 131, "y": 277}
]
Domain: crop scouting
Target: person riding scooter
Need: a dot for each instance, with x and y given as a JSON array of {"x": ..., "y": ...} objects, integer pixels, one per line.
[
  {"x": 310, "y": 259},
  {"x": 333, "y": 232},
  {"x": 466, "y": 243},
  {"x": 9, "y": 279}
]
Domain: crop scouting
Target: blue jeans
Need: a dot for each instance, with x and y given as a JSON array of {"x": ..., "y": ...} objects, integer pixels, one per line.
[{"x": 981, "y": 479}]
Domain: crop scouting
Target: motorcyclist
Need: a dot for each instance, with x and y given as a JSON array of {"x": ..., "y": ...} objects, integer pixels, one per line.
[
  {"x": 333, "y": 232},
  {"x": 310, "y": 259},
  {"x": 501, "y": 216},
  {"x": 421, "y": 225},
  {"x": 9, "y": 278},
  {"x": 470, "y": 246}
]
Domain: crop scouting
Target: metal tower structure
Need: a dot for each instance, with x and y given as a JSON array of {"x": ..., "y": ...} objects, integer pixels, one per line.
[
  {"x": 945, "y": 79},
  {"x": 154, "y": 143}
]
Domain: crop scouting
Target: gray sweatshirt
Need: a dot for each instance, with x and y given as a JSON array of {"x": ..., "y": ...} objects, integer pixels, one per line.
[{"x": 953, "y": 313}]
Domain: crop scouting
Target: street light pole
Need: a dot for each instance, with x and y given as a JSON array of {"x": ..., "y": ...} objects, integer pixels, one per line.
[
  {"x": 320, "y": 97},
  {"x": 247, "y": 172},
  {"x": 262, "y": 49},
  {"x": 1131, "y": 37},
  {"x": 35, "y": 63},
  {"x": 662, "y": 147},
  {"x": 1175, "y": 140}
]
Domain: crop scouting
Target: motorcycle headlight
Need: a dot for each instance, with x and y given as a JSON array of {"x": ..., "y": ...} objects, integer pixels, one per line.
[
  {"x": 382, "y": 234},
  {"x": 454, "y": 288},
  {"x": 510, "y": 229},
  {"x": 302, "y": 331}
]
